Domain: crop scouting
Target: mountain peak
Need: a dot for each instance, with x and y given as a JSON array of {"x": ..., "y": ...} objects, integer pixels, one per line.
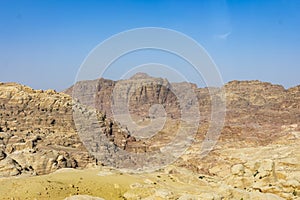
[{"x": 140, "y": 75}]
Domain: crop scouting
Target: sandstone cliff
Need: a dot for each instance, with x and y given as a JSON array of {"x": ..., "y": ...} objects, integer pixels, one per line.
[{"x": 254, "y": 110}]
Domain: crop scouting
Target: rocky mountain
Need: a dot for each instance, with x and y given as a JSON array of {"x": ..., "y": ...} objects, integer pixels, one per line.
[
  {"x": 256, "y": 156},
  {"x": 253, "y": 108},
  {"x": 142, "y": 90}
]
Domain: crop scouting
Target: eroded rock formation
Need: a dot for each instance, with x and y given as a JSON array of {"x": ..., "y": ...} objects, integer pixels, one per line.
[{"x": 256, "y": 156}]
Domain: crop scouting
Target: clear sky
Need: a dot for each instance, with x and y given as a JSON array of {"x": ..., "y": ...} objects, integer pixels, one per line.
[{"x": 43, "y": 42}]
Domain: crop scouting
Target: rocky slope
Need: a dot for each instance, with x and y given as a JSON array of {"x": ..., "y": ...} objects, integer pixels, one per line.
[
  {"x": 256, "y": 157},
  {"x": 38, "y": 133},
  {"x": 254, "y": 110}
]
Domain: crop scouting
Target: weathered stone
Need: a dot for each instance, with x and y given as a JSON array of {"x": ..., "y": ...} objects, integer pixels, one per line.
[
  {"x": 163, "y": 193},
  {"x": 238, "y": 170},
  {"x": 9, "y": 167},
  {"x": 2, "y": 155},
  {"x": 83, "y": 197}
]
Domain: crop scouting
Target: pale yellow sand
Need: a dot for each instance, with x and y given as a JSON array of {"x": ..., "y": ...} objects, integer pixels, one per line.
[{"x": 65, "y": 183}]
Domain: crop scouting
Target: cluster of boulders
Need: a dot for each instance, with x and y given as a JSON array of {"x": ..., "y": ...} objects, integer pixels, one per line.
[{"x": 38, "y": 134}]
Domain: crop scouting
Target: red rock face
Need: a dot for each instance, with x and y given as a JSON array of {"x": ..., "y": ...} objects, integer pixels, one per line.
[
  {"x": 250, "y": 104},
  {"x": 141, "y": 93},
  {"x": 255, "y": 111}
]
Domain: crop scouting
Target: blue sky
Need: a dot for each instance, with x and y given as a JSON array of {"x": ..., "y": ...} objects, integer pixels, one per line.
[{"x": 43, "y": 43}]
